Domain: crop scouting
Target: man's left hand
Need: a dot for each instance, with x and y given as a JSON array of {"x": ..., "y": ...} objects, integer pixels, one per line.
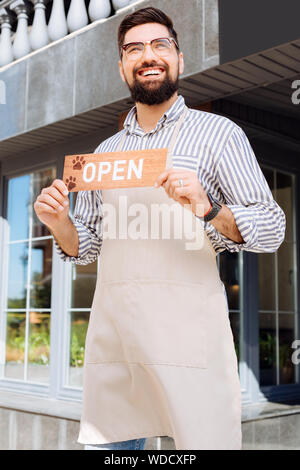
[{"x": 191, "y": 193}]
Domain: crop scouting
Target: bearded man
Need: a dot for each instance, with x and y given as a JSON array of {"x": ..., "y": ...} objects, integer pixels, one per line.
[{"x": 160, "y": 357}]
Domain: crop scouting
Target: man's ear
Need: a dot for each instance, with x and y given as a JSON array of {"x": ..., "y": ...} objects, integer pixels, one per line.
[
  {"x": 181, "y": 63},
  {"x": 121, "y": 71}
]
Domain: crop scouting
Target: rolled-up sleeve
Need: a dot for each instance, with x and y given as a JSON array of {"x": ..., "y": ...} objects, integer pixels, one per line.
[
  {"x": 258, "y": 217},
  {"x": 87, "y": 219}
]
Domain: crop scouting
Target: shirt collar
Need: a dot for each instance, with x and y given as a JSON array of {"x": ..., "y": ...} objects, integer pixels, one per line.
[{"x": 171, "y": 115}]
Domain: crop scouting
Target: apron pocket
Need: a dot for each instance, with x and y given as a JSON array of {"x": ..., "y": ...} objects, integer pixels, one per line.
[{"x": 151, "y": 322}]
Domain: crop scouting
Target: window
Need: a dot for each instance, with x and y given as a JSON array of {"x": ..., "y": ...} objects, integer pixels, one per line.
[
  {"x": 277, "y": 292},
  {"x": 29, "y": 275},
  {"x": 27, "y": 303}
]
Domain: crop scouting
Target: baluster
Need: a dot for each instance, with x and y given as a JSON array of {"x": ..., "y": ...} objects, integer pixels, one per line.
[
  {"x": 57, "y": 27},
  {"x": 21, "y": 45},
  {"x": 99, "y": 10},
  {"x": 39, "y": 33},
  {"x": 6, "y": 54},
  {"x": 77, "y": 15}
]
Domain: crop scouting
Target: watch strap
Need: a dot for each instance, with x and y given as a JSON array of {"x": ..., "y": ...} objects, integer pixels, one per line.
[{"x": 215, "y": 209}]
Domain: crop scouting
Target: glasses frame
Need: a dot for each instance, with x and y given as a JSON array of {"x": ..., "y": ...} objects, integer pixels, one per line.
[{"x": 125, "y": 46}]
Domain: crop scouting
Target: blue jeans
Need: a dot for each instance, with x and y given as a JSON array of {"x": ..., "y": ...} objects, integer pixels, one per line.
[{"x": 133, "y": 444}]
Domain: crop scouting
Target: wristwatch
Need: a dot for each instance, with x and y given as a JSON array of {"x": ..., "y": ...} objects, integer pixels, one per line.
[{"x": 214, "y": 210}]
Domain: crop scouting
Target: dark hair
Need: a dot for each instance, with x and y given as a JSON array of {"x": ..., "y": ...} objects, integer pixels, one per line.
[{"x": 143, "y": 16}]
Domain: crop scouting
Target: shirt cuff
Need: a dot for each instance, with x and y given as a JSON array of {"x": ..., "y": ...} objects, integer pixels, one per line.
[
  {"x": 246, "y": 223},
  {"x": 83, "y": 248}
]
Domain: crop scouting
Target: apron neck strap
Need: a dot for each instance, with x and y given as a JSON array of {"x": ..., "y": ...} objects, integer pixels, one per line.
[{"x": 173, "y": 138}]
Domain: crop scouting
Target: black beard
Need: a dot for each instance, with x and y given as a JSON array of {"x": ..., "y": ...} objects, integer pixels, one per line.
[{"x": 142, "y": 94}]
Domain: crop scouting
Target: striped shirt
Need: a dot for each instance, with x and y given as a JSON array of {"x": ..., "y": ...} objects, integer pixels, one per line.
[{"x": 219, "y": 151}]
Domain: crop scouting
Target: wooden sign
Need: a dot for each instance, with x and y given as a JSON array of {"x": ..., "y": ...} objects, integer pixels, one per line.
[{"x": 133, "y": 168}]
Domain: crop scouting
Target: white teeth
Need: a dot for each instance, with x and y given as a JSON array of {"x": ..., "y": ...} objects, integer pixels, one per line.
[{"x": 151, "y": 72}]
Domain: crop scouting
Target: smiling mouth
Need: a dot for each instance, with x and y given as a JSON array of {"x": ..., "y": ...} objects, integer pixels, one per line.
[{"x": 151, "y": 72}]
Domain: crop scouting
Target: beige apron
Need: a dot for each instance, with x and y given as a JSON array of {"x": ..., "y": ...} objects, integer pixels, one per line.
[{"x": 160, "y": 357}]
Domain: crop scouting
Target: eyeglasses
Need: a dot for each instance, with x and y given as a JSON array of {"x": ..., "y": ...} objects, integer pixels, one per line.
[{"x": 161, "y": 47}]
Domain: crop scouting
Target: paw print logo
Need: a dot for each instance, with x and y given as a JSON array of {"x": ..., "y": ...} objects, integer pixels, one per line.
[
  {"x": 78, "y": 163},
  {"x": 70, "y": 183}
]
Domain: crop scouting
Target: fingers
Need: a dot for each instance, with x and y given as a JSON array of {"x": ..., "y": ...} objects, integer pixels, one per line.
[
  {"x": 44, "y": 207},
  {"x": 55, "y": 194},
  {"x": 181, "y": 191},
  {"x": 162, "y": 178},
  {"x": 53, "y": 198},
  {"x": 173, "y": 183},
  {"x": 52, "y": 201},
  {"x": 60, "y": 186},
  {"x": 173, "y": 175}
]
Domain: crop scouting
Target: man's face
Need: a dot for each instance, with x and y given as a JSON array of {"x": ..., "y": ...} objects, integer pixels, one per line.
[{"x": 151, "y": 89}]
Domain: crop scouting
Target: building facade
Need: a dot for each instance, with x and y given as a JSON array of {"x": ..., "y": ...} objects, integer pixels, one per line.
[{"x": 60, "y": 94}]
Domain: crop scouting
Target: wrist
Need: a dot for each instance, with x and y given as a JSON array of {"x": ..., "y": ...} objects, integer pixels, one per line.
[
  {"x": 201, "y": 206},
  {"x": 211, "y": 209},
  {"x": 207, "y": 207},
  {"x": 59, "y": 226}
]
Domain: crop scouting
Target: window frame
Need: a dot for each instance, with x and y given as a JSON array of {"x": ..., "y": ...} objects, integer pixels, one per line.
[{"x": 282, "y": 391}]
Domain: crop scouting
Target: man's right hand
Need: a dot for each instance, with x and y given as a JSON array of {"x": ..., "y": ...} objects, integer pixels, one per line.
[{"x": 52, "y": 204}]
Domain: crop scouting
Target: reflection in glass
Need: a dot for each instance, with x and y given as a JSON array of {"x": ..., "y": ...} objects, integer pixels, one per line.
[
  {"x": 83, "y": 285},
  {"x": 286, "y": 338},
  {"x": 41, "y": 274},
  {"x": 15, "y": 345},
  {"x": 266, "y": 280},
  {"x": 39, "y": 346},
  {"x": 17, "y": 275},
  {"x": 79, "y": 325},
  {"x": 267, "y": 348},
  {"x": 39, "y": 180},
  {"x": 284, "y": 198},
  {"x": 229, "y": 274},
  {"x": 286, "y": 277},
  {"x": 17, "y": 207}
]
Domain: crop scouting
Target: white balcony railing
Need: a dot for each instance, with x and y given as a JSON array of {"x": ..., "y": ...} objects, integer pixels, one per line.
[{"x": 24, "y": 25}]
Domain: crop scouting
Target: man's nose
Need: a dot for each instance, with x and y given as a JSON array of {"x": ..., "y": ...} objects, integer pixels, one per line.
[{"x": 148, "y": 52}]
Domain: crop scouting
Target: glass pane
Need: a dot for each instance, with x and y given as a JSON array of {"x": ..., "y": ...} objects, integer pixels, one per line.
[
  {"x": 229, "y": 274},
  {"x": 234, "y": 318},
  {"x": 15, "y": 345},
  {"x": 38, "y": 181},
  {"x": 79, "y": 325},
  {"x": 41, "y": 274},
  {"x": 266, "y": 281},
  {"x": 284, "y": 199},
  {"x": 17, "y": 275},
  {"x": 267, "y": 348},
  {"x": 286, "y": 277},
  {"x": 18, "y": 206},
  {"x": 286, "y": 337},
  {"x": 39, "y": 347},
  {"x": 83, "y": 285}
]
